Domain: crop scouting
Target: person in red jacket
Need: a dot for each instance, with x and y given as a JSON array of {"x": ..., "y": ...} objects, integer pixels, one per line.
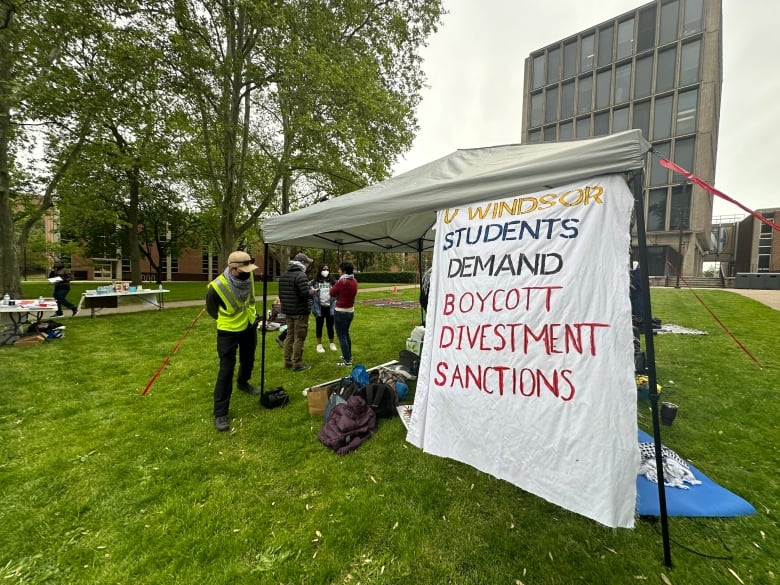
[{"x": 345, "y": 290}]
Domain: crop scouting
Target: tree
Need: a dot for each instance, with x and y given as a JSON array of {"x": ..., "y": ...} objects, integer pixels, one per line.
[
  {"x": 297, "y": 100},
  {"x": 43, "y": 121}
]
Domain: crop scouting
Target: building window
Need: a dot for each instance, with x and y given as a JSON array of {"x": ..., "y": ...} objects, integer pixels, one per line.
[
  {"x": 665, "y": 70},
  {"x": 603, "y": 88},
  {"x": 694, "y": 17},
  {"x": 537, "y": 109},
  {"x": 586, "y": 53},
  {"x": 620, "y": 119},
  {"x": 622, "y": 83},
  {"x": 553, "y": 65},
  {"x": 537, "y": 75},
  {"x": 204, "y": 266},
  {"x": 689, "y": 63},
  {"x": 551, "y": 104},
  {"x": 765, "y": 244},
  {"x": 659, "y": 175},
  {"x": 683, "y": 153},
  {"x": 584, "y": 94},
  {"x": 606, "y": 38},
  {"x": 569, "y": 59},
  {"x": 643, "y": 79},
  {"x": 549, "y": 133},
  {"x": 625, "y": 39},
  {"x": 656, "y": 210},
  {"x": 601, "y": 124},
  {"x": 645, "y": 34},
  {"x": 567, "y": 99},
  {"x": 642, "y": 118},
  {"x": 662, "y": 118},
  {"x": 565, "y": 130},
  {"x": 535, "y": 136},
  {"x": 656, "y": 260},
  {"x": 583, "y": 127},
  {"x": 669, "y": 21},
  {"x": 687, "y": 104},
  {"x": 679, "y": 214}
]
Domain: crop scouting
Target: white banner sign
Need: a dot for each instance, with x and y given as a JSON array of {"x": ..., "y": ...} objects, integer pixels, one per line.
[{"x": 527, "y": 370}]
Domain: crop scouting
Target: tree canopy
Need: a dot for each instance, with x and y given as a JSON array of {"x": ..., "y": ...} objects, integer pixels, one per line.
[{"x": 206, "y": 114}]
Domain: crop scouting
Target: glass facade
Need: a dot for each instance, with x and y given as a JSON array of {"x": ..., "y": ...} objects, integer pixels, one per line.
[{"x": 640, "y": 70}]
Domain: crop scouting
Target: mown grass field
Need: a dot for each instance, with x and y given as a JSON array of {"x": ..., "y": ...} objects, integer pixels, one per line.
[{"x": 101, "y": 484}]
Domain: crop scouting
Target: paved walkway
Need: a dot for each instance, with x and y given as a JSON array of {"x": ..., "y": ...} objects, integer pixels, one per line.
[{"x": 770, "y": 298}]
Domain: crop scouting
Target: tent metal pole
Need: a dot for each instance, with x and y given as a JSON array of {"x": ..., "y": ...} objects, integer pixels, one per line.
[
  {"x": 420, "y": 273},
  {"x": 266, "y": 266},
  {"x": 647, "y": 326}
]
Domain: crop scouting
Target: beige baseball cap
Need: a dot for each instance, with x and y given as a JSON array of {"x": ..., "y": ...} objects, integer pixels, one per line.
[{"x": 242, "y": 262}]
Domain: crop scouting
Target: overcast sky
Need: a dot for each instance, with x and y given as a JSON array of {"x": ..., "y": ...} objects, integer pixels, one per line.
[{"x": 474, "y": 66}]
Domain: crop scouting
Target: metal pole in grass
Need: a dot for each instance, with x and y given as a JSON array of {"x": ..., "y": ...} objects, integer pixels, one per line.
[
  {"x": 266, "y": 270},
  {"x": 647, "y": 326}
]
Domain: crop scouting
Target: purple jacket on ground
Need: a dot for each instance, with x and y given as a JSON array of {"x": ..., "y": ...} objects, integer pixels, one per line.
[{"x": 348, "y": 426}]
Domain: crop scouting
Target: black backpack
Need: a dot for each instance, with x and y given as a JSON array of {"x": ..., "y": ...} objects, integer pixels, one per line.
[{"x": 382, "y": 399}]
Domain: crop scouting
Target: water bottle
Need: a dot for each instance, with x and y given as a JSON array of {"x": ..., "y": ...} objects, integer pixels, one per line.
[
  {"x": 6, "y": 299},
  {"x": 40, "y": 300}
]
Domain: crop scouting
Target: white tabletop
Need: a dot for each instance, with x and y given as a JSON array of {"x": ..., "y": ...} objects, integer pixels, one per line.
[
  {"x": 29, "y": 306},
  {"x": 127, "y": 293}
]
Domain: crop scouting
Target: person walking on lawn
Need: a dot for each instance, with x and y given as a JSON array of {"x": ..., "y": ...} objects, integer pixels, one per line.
[
  {"x": 61, "y": 278},
  {"x": 296, "y": 297},
  {"x": 345, "y": 291},
  {"x": 230, "y": 299}
]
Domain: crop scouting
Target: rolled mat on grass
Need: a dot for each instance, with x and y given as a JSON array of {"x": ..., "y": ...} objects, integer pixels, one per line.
[
  {"x": 392, "y": 303},
  {"x": 705, "y": 500}
]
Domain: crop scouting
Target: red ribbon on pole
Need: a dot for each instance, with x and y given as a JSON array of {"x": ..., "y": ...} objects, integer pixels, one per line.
[{"x": 704, "y": 185}]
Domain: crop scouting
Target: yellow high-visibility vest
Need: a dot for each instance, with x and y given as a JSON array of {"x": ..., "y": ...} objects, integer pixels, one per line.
[{"x": 235, "y": 315}]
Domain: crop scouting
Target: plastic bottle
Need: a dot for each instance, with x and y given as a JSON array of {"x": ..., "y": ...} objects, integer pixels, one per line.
[
  {"x": 40, "y": 300},
  {"x": 6, "y": 299}
]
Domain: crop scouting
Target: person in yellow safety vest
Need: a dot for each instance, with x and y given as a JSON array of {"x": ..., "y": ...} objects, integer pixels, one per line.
[{"x": 230, "y": 299}]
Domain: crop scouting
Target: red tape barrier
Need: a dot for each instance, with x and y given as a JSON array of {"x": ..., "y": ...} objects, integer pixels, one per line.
[
  {"x": 694, "y": 179},
  {"x": 175, "y": 349},
  {"x": 714, "y": 316}
]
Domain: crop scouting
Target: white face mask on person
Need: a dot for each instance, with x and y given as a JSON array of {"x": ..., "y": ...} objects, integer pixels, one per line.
[{"x": 325, "y": 273}]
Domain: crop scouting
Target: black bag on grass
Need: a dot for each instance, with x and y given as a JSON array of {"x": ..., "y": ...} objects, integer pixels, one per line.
[
  {"x": 274, "y": 398},
  {"x": 382, "y": 399},
  {"x": 410, "y": 360}
]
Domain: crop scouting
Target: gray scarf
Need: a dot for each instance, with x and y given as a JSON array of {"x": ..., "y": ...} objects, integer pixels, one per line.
[{"x": 240, "y": 288}]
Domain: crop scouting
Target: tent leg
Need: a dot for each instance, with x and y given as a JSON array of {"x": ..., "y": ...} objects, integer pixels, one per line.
[
  {"x": 420, "y": 273},
  {"x": 647, "y": 327},
  {"x": 266, "y": 266}
]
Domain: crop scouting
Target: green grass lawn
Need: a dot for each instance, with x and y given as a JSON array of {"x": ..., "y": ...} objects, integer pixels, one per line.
[{"x": 101, "y": 484}]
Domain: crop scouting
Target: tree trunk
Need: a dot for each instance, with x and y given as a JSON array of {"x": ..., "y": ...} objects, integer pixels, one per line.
[{"x": 10, "y": 281}]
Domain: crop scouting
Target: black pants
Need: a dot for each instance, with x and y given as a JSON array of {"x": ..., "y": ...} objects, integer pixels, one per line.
[
  {"x": 60, "y": 293},
  {"x": 228, "y": 343}
]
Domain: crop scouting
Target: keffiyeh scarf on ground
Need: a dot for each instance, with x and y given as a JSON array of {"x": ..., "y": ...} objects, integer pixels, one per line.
[{"x": 677, "y": 473}]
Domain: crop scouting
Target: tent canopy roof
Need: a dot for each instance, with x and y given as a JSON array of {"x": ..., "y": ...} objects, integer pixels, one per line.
[{"x": 398, "y": 214}]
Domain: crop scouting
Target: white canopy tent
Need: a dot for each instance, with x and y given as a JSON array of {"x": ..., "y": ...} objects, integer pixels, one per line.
[{"x": 397, "y": 215}]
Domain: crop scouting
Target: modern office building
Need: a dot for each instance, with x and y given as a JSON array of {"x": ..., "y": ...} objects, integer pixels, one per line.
[{"x": 657, "y": 68}]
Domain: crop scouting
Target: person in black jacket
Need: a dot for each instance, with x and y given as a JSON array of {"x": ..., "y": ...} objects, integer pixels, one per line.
[
  {"x": 296, "y": 296},
  {"x": 62, "y": 288}
]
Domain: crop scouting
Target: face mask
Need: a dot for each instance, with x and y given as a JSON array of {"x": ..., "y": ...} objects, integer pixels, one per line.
[
  {"x": 325, "y": 273},
  {"x": 243, "y": 275}
]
